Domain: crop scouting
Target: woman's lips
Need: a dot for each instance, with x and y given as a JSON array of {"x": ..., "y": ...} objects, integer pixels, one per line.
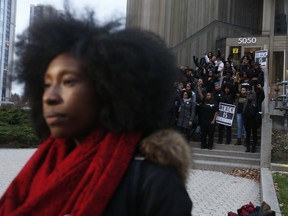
[{"x": 55, "y": 119}]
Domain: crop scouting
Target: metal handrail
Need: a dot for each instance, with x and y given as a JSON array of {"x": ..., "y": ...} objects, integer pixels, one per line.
[{"x": 284, "y": 101}]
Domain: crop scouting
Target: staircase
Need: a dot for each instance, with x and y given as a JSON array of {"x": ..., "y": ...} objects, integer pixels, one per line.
[{"x": 225, "y": 157}]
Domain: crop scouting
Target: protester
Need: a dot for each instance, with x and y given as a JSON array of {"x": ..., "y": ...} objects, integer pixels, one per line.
[
  {"x": 208, "y": 113},
  {"x": 241, "y": 100},
  {"x": 235, "y": 75},
  {"x": 217, "y": 93},
  {"x": 228, "y": 98},
  {"x": 250, "y": 121},
  {"x": 256, "y": 75},
  {"x": 186, "y": 114},
  {"x": 245, "y": 64},
  {"x": 99, "y": 98}
]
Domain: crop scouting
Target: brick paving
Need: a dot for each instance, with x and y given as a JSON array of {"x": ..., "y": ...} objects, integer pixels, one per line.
[
  {"x": 212, "y": 193},
  {"x": 216, "y": 193}
]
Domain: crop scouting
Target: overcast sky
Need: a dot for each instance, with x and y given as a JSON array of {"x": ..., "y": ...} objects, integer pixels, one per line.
[{"x": 105, "y": 10}]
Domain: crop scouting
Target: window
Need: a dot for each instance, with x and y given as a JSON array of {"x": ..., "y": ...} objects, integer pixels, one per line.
[
  {"x": 277, "y": 71},
  {"x": 281, "y": 9}
]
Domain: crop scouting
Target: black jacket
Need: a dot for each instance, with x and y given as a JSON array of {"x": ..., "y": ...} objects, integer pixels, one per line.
[
  {"x": 151, "y": 188},
  {"x": 250, "y": 113}
]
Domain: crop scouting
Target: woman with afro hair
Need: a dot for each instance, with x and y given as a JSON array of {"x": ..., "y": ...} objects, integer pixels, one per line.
[{"x": 98, "y": 98}]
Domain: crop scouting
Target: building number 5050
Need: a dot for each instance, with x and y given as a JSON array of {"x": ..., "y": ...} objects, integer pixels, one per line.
[{"x": 248, "y": 40}]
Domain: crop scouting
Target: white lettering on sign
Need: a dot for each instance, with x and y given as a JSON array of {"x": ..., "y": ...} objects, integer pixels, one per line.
[
  {"x": 260, "y": 54},
  {"x": 224, "y": 120},
  {"x": 226, "y": 109},
  {"x": 248, "y": 40},
  {"x": 225, "y": 114}
]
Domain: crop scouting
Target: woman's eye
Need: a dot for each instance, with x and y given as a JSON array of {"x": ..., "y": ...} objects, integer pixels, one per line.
[
  {"x": 46, "y": 85},
  {"x": 70, "y": 82}
]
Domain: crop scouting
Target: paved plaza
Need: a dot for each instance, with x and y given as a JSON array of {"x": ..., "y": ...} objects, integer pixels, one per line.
[{"x": 212, "y": 193}]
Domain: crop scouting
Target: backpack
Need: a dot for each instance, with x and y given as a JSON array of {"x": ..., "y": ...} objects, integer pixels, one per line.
[{"x": 245, "y": 210}]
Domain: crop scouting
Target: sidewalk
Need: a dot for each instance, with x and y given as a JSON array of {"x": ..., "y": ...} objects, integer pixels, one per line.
[
  {"x": 212, "y": 193},
  {"x": 216, "y": 193}
]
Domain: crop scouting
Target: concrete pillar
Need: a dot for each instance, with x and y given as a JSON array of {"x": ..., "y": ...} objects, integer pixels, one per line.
[
  {"x": 266, "y": 128},
  {"x": 268, "y": 17},
  {"x": 266, "y": 139}
]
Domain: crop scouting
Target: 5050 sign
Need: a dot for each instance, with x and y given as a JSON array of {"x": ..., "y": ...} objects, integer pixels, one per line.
[{"x": 247, "y": 40}]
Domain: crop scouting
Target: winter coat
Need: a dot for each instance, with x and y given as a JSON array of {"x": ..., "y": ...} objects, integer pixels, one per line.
[
  {"x": 207, "y": 112},
  {"x": 154, "y": 183},
  {"x": 251, "y": 114},
  {"x": 242, "y": 100},
  {"x": 217, "y": 94},
  {"x": 186, "y": 113},
  {"x": 227, "y": 98}
]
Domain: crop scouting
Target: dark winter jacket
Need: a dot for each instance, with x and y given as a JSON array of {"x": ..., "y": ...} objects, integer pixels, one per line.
[
  {"x": 217, "y": 95},
  {"x": 250, "y": 112},
  {"x": 227, "y": 98},
  {"x": 155, "y": 184},
  {"x": 207, "y": 112}
]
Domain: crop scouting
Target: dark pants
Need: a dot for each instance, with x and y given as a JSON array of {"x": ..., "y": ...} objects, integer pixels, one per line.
[
  {"x": 221, "y": 131},
  {"x": 248, "y": 134},
  {"x": 207, "y": 130},
  {"x": 186, "y": 132}
]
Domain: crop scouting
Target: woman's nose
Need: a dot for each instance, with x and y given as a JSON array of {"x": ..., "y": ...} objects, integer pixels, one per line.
[{"x": 52, "y": 95}]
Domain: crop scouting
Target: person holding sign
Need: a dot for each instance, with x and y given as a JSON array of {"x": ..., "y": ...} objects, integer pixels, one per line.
[{"x": 227, "y": 97}]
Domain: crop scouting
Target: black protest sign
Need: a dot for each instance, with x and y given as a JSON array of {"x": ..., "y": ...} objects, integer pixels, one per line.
[{"x": 225, "y": 114}]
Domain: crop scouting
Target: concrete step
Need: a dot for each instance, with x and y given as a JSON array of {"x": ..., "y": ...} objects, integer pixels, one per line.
[
  {"x": 224, "y": 157},
  {"x": 234, "y": 133},
  {"x": 230, "y": 153},
  {"x": 231, "y": 147},
  {"x": 227, "y": 159},
  {"x": 220, "y": 166},
  {"x": 234, "y": 140}
]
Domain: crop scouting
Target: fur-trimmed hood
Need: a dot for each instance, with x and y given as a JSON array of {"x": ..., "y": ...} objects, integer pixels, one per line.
[{"x": 168, "y": 147}]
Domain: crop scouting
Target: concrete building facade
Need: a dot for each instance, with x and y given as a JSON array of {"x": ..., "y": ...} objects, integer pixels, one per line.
[
  {"x": 236, "y": 27},
  {"x": 195, "y": 27},
  {"x": 7, "y": 32}
]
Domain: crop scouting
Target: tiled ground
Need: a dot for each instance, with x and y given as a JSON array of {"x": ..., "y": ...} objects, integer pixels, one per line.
[{"x": 212, "y": 193}]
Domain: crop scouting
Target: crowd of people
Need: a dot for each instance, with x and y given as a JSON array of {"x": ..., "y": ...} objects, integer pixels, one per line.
[{"x": 214, "y": 80}]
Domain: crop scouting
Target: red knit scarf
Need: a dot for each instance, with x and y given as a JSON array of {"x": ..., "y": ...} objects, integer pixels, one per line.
[{"x": 58, "y": 181}]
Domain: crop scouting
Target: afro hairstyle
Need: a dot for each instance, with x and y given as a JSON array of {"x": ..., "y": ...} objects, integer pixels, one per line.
[{"x": 132, "y": 69}]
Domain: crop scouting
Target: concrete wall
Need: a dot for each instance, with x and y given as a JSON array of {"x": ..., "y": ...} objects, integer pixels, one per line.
[{"x": 196, "y": 23}]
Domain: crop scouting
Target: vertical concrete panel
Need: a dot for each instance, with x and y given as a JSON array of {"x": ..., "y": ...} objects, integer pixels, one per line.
[
  {"x": 167, "y": 24},
  {"x": 266, "y": 139},
  {"x": 266, "y": 23},
  {"x": 145, "y": 11}
]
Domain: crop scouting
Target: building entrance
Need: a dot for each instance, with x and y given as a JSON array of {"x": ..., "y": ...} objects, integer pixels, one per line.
[{"x": 239, "y": 51}]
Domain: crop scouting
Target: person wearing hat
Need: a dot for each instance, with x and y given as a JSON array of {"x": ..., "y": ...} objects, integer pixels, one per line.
[{"x": 217, "y": 93}]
